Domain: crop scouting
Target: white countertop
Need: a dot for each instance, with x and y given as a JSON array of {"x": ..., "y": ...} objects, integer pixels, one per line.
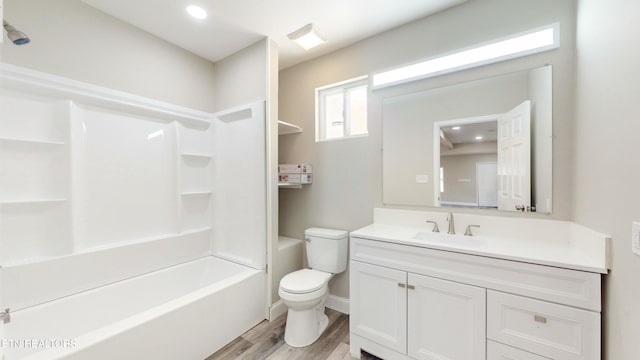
[{"x": 545, "y": 242}]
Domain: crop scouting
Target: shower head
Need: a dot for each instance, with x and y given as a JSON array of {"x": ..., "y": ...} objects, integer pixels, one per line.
[{"x": 16, "y": 36}]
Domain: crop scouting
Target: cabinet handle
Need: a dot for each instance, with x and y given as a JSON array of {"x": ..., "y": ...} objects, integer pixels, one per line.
[
  {"x": 411, "y": 287},
  {"x": 540, "y": 319},
  {"x": 401, "y": 285}
]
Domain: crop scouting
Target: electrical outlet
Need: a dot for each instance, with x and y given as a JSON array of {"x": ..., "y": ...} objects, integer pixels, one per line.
[
  {"x": 422, "y": 179},
  {"x": 635, "y": 237}
]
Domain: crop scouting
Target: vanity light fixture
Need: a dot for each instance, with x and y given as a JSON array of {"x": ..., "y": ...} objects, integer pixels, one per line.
[
  {"x": 478, "y": 137},
  {"x": 197, "y": 12},
  {"x": 307, "y": 37},
  {"x": 511, "y": 47}
]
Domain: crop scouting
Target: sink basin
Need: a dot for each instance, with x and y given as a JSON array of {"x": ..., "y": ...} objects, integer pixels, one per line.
[{"x": 451, "y": 239}]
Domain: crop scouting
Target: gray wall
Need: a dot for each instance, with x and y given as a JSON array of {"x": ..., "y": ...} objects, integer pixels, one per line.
[
  {"x": 348, "y": 173},
  {"x": 607, "y": 177},
  {"x": 407, "y": 128},
  {"x": 462, "y": 167},
  {"x": 74, "y": 40}
]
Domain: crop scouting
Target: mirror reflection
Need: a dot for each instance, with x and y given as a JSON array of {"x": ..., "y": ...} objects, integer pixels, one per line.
[
  {"x": 468, "y": 167},
  {"x": 480, "y": 144}
]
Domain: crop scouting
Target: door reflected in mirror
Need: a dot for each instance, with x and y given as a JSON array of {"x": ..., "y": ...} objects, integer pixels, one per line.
[
  {"x": 482, "y": 144},
  {"x": 466, "y": 157},
  {"x": 484, "y": 161}
]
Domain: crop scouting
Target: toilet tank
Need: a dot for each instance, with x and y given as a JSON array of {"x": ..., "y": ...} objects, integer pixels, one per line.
[{"x": 327, "y": 249}]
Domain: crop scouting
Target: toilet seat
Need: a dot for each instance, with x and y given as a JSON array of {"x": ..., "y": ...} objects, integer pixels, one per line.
[
  {"x": 306, "y": 285},
  {"x": 304, "y": 281}
]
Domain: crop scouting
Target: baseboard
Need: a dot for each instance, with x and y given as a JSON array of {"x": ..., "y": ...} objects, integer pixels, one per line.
[
  {"x": 338, "y": 304},
  {"x": 277, "y": 309}
]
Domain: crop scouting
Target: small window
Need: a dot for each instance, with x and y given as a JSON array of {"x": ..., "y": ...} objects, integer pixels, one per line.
[{"x": 341, "y": 110}]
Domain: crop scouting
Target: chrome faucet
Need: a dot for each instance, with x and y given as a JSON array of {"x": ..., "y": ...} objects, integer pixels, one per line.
[
  {"x": 468, "y": 231},
  {"x": 452, "y": 229},
  {"x": 435, "y": 225}
]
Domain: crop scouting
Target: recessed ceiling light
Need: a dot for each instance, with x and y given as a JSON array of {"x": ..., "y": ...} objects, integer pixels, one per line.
[
  {"x": 456, "y": 128},
  {"x": 307, "y": 37},
  {"x": 478, "y": 137},
  {"x": 197, "y": 12}
]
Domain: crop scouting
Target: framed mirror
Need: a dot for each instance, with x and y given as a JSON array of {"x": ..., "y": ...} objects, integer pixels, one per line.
[{"x": 481, "y": 144}]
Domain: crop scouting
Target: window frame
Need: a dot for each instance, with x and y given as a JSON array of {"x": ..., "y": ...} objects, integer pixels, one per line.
[{"x": 343, "y": 87}]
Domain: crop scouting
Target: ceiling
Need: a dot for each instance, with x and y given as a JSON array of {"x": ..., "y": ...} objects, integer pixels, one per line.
[
  {"x": 468, "y": 132},
  {"x": 235, "y": 24}
]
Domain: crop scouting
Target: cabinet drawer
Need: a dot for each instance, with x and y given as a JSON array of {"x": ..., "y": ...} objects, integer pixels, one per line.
[
  {"x": 555, "y": 331},
  {"x": 497, "y": 351}
]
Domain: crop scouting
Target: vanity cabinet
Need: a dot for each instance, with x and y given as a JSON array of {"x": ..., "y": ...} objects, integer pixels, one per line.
[
  {"x": 421, "y": 316},
  {"x": 410, "y": 302}
]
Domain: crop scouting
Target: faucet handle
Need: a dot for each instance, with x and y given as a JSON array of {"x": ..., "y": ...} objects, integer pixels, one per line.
[
  {"x": 435, "y": 226},
  {"x": 468, "y": 231}
]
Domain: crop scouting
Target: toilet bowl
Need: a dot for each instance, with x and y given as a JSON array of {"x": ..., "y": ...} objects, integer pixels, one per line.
[{"x": 305, "y": 291}]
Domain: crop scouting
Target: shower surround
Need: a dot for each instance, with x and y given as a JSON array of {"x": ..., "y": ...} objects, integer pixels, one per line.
[{"x": 100, "y": 189}]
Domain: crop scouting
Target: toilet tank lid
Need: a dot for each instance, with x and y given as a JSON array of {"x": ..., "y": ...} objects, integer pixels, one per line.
[{"x": 326, "y": 233}]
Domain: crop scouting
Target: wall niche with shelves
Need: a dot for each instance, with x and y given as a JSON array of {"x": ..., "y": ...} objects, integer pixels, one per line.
[
  {"x": 85, "y": 168},
  {"x": 34, "y": 185}
]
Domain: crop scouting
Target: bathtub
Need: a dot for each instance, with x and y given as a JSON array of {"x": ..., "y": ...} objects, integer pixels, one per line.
[{"x": 186, "y": 311}]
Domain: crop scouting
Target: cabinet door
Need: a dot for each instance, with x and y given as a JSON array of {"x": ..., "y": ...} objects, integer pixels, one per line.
[
  {"x": 446, "y": 320},
  {"x": 378, "y": 308}
]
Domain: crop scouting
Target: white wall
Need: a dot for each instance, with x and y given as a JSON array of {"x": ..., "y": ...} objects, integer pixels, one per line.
[
  {"x": 607, "y": 186},
  {"x": 240, "y": 218},
  {"x": 347, "y": 173},
  {"x": 74, "y": 40},
  {"x": 248, "y": 76},
  {"x": 241, "y": 77},
  {"x": 541, "y": 95},
  {"x": 272, "y": 175}
]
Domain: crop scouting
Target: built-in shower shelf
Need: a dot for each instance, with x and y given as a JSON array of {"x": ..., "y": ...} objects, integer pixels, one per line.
[
  {"x": 30, "y": 141},
  {"x": 196, "y": 193},
  {"x": 196, "y": 123},
  {"x": 31, "y": 201},
  {"x": 196, "y": 156}
]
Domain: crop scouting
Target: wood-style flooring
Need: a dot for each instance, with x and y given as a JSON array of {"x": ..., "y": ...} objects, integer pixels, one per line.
[{"x": 266, "y": 342}]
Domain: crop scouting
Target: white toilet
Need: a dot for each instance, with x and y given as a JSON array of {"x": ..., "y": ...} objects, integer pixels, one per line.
[{"x": 304, "y": 291}]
